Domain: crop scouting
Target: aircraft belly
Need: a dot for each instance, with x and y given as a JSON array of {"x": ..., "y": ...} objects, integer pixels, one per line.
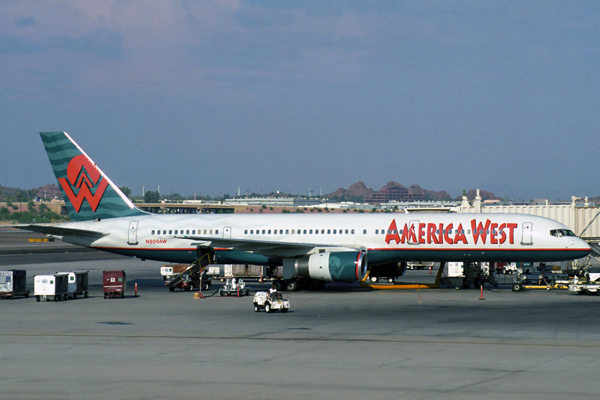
[{"x": 384, "y": 256}]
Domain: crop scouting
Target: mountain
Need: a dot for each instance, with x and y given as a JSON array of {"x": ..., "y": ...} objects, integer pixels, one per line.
[
  {"x": 355, "y": 192},
  {"x": 360, "y": 189}
]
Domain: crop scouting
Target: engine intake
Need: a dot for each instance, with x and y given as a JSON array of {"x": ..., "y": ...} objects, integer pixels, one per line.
[{"x": 344, "y": 266}]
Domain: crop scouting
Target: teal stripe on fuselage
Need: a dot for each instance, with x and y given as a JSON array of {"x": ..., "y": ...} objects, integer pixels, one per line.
[{"x": 373, "y": 257}]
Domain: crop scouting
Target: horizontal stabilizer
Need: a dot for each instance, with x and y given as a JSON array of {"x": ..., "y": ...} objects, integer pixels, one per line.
[{"x": 59, "y": 231}]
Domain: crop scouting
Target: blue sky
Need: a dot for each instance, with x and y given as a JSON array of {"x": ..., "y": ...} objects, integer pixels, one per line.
[{"x": 203, "y": 97}]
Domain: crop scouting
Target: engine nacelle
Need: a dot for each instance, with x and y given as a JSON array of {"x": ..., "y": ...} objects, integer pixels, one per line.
[{"x": 345, "y": 266}]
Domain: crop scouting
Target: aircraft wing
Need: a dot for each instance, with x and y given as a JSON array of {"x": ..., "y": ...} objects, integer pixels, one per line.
[
  {"x": 60, "y": 231},
  {"x": 267, "y": 247}
]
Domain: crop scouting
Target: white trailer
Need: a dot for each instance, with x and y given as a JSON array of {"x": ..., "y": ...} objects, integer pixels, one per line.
[
  {"x": 13, "y": 283},
  {"x": 50, "y": 287},
  {"x": 77, "y": 283}
]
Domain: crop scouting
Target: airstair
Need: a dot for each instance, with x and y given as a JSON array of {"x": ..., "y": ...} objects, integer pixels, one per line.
[
  {"x": 189, "y": 274},
  {"x": 595, "y": 250}
]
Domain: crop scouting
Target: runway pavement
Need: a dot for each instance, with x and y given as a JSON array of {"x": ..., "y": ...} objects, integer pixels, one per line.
[{"x": 344, "y": 342}]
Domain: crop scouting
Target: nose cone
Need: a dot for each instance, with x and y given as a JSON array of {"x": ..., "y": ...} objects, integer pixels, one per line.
[{"x": 581, "y": 248}]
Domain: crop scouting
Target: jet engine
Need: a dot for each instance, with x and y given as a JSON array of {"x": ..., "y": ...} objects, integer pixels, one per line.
[{"x": 345, "y": 266}]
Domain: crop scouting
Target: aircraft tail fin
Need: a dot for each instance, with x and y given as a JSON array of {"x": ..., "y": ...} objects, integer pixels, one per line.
[{"x": 88, "y": 193}]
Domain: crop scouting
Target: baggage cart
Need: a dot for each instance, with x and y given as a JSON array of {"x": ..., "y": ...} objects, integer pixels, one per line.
[
  {"x": 77, "y": 283},
  {"x": 115, "y": 283},
  {"x": 50, "y": 287},
  {"x": 13, "y": 283}
]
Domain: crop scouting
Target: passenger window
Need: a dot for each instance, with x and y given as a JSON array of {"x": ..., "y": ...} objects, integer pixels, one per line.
[
  {"x": 210, "y": 232},
  {"x": 377, "y": 231},
  {"x": 305, "y": 231},
  {"x": 346, "y": 231},
  {"x": 287, "y": 231},
  {"x": 245, "y": 231},
  {"x": 153, "y": 232},
  {"x": 364, "y": 231},
  {"x": 316, "y": 231},
  {"x": 334, "y": 231},
  {"x": 170, "y": 232},
  {"x": 193, "y": 232},
  {"x": 205, "y": 231},
  {"x": 281, "y": 231},
  {"x": 352, "y": 231},
  {"x": 329, "y": 231},
  {"x": 217, "y": 232},
  {"x": 187, "y": 232},
  {"x": 176, "y": 231},
  {"x": 293, "y": 231},
  {"x": 310, "y": 231},
  {"x": 269, "y": 231},
  {"x": 263, "y": 231}
]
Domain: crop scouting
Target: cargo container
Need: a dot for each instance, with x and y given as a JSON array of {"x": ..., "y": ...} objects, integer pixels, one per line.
[
  {"x": 50, "y": 287},
  {"x": 115, "y": 283},
  {"x": 13, "y": 283},
  {"x": 77, "y": 283}
]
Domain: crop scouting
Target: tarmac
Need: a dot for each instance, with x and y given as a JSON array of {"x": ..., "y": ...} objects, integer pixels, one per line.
[{"x": 343, "y": 342}]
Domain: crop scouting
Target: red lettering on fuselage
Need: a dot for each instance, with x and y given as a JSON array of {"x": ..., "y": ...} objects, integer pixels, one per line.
[
  {"x": 156, "y": 241},
  {"x": 408, "y": 234},
  {"x": 460, "y": 235},
  {"x": 479, "y": 230},
  {"x": 392, "y": 233},
  {"x": 432, "y": 233}
]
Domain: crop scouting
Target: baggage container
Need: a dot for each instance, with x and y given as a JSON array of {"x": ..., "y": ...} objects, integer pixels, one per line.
[
  {"x": 77, "y": 283},
  {"x": 172, "y": 269},
  {"x": 13, "y": 283},
  {"x": 115, "y": 283},
  {"x": 50, "y": 287}
]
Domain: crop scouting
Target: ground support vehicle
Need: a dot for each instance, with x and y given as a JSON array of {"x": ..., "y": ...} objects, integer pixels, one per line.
[
  {"x": 389, "y": 271},
  {"x": 235, "y": 288},
  {"x": 50, "y": 287},
  {"x": 77, "y": 283},
  {"x": 590, "y": 287},
  {"x": 470, "y": 274},
  {"x": 419, "y": 265},
  {"x": 115, "y": 283},
  {"x": 186, "y": 277},
  {"x": 13, "y": 284},
  {"x": 271, "y": 301}
]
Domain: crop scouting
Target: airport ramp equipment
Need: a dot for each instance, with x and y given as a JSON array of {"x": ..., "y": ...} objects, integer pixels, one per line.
[
  {"x": 183, "y": 276},
  {"x": 13, "y": 283},
  {"x": 50, "y": 287},
  {"x": 590, "y": 287},
  {"x": 77, "y": 283},
  {"x": 115, "y": 283},
  {"x": 595, "y": 250}
]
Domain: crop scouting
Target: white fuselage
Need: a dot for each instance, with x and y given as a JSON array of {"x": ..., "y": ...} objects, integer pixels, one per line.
[{"x": 385, "y": 237}]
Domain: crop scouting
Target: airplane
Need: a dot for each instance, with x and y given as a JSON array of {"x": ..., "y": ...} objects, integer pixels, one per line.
[{"x": 315, "y": 247}]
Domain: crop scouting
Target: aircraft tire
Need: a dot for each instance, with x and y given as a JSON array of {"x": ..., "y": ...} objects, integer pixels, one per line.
[{"x": 292, "y": 286}]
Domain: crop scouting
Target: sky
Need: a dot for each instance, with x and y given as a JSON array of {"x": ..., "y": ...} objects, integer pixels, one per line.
[{"x": 203, "y": 97}]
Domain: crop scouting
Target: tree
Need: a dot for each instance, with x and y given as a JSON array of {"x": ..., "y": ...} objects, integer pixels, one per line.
[
  {"x": 151, "y": 197},
  {"x": 126, "y": 191}
]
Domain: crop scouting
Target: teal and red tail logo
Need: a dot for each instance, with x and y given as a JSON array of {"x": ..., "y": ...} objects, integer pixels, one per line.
[
  {"x": 88, "y": 193},
  {"x": 85, "y": 177}
]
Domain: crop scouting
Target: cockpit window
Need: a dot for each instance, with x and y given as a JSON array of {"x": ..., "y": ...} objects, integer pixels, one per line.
[{"x": 561, "y": 232}]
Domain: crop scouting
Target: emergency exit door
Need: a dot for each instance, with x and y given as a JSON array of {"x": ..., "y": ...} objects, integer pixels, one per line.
[
  {"x": 132, "y": 238},
  {"x": 527, "y": 233},
  {"x": 413, "y": 233}
]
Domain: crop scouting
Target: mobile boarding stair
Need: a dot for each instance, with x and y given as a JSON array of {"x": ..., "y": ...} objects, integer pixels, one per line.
[{"x": 186, "y": 278}]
